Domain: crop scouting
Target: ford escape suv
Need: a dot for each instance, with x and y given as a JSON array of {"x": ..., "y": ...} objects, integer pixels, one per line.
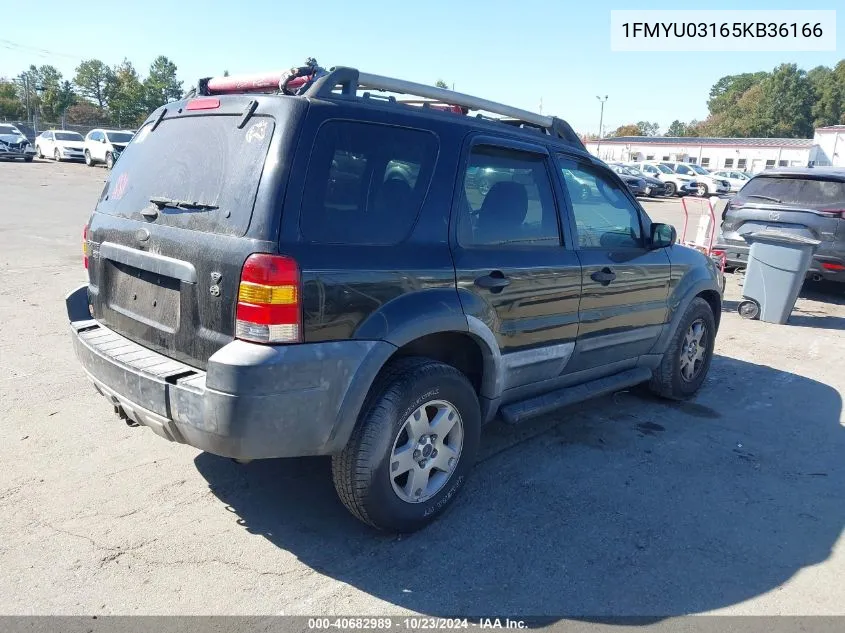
[{"x": 286, "y": 272}]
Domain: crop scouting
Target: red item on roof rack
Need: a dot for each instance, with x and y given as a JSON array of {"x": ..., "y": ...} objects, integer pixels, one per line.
[
  {"x": 288, "y": 82},
  {"x": 253, "y": 83}
]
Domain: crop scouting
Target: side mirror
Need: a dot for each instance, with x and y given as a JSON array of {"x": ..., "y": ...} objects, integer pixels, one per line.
[
  {"x": 102, "y": 140},
  {"x": 663, "y": 235}
]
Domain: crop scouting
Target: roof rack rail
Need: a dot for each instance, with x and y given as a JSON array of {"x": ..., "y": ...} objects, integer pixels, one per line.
[
  {"x": 351, "y": 80},
  {"x": 324, "y": 85}
]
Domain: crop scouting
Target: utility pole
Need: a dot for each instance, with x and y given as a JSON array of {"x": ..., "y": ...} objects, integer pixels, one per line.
[
  {"x": 601, "y": 121},
  {"x": 541, "y": 105},
  {"x": 24, "y": 80}
]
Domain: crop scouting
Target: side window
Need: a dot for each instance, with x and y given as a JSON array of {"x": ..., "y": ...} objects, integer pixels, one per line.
[
  {"x": 366, "y": 183},
  {"x": 97, "y": 136},
  {"x": 507, "y": 201},
  {"x": 604, "y": 216}
]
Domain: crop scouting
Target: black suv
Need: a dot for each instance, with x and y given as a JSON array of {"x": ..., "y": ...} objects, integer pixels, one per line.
[
  {"x": 275, "y": 276},
  {"x": 805, "y": 201}
]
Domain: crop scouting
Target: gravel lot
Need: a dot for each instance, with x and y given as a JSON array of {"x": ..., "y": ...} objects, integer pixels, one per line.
[{"x": 733, "y": 503}]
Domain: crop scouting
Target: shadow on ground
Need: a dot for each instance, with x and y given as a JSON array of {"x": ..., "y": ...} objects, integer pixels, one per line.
[{"x": 625, "y": 506}]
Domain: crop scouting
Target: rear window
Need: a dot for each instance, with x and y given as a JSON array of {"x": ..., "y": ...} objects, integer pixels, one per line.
[
  {"x": 366, "y": 183},
  {"x": 199, "y": 159},
  {"x": 805, "y": 192}
]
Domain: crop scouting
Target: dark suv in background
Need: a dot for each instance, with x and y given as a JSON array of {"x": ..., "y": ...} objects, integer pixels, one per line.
[
  {"x": 806, "y": 201},
  {"x": 276, "y": 276}
]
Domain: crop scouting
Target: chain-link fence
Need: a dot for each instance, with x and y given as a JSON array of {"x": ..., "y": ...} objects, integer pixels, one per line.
[{"x": 31, "y": 129}]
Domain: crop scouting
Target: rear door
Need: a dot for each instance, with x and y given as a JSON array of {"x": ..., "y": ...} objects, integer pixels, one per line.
[
  {"x": 516, "y": 269},
  {"x": 625, "y": 285},
  {"x": 166, "y": 274}
]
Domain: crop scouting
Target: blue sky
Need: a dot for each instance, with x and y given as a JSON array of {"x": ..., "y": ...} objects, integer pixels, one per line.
[{"x": 517, "y": 52}]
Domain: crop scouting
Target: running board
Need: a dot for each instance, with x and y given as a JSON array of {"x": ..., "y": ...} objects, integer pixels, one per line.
[{"x": 517, "y": 412}]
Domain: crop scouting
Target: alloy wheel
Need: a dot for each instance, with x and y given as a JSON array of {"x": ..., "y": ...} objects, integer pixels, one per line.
[
  {"x": 426, "y": 451},
  {"x": 694, "y": 350}
]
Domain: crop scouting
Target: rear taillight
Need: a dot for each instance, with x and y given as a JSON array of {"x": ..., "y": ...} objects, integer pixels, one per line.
[
  {"x": 85, "y": 246},
  {"x": 833, "y": 267},
  {"x": 836, "y": 213},
  {"x": 268, "y": 300}
]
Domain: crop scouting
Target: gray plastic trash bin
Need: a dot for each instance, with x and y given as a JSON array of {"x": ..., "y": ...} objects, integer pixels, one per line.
[{"x": 777, "y": 265}]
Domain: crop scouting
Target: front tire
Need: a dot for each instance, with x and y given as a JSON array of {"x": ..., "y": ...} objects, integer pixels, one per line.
[
  {"x": 687, "y": 360},
  {"x": 38, "y": 153},
  {"x": 398, "y": 472},
  {"x": 57, "y": 156},
  {"x": 88, "y": 160},
  {"x": 109, "y": 160},
  {"x": 671, "y": 189},
  {"x": 703, "y": 190}
]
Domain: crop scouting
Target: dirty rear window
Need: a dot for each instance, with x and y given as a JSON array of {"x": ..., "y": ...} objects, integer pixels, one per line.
[
  {"x": 803, "y": 192},
  {"x": 199, "y": 159}
]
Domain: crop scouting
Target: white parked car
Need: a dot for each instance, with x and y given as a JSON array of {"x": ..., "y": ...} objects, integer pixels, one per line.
[
  {"x": 676, "y": 184},
  {"x": 708, "y": 184},
  {"x": 105, "y": 146},
  {"x": 13, "y": 144},
  {"x": 736, "y": 179},
  {"x": 59, "y": 145}
]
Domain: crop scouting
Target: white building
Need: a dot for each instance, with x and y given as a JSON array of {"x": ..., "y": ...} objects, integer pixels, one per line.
[
  {"x": 830, "y": 142},
  {"x": 744, "y": 154}
]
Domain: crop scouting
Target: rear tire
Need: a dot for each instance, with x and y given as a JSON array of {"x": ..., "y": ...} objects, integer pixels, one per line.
[
  {"x": 703, "y": 191},
  {"x": 28, "y": 159},
  {"x": 38, "y": 153},
  {"x": 671, "y": 189},
  {"x": 57, "y": 156},
  {"x": 109, "y": 160},
  {"x": 368, "y": 474},
  {"x": 686, "y": 362}
]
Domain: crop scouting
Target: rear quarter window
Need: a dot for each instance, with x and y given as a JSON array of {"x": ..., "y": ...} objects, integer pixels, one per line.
[
  {"x": 366, "y": 182},
  {"x": 205, "y": 159},
  {"x": 812, "y": 193}
]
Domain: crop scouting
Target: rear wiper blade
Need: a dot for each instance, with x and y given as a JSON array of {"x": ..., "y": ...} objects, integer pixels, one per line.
[
  {"x": 162, "y": 202},
  {"x": 756, "y": 195}
]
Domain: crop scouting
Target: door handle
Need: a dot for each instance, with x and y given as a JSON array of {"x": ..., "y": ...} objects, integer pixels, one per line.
[
  {"x": 494, "y": 282},
  {"x": 603, "y": 276},
  {"x": 150, "y": 213}
]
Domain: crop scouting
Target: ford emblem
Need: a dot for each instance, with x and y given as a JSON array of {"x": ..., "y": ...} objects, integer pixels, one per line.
[{"x": 142, "y": 235}]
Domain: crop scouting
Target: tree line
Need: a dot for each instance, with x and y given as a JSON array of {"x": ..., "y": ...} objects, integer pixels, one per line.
[
  {"x": 97, "y": 93},
  {"x": 787, "y": 102}
]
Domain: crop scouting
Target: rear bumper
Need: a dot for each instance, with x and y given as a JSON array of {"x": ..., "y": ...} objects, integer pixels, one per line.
[
  {"x": 253, "y": 401},
  {"x": 736, "y": 254}
]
